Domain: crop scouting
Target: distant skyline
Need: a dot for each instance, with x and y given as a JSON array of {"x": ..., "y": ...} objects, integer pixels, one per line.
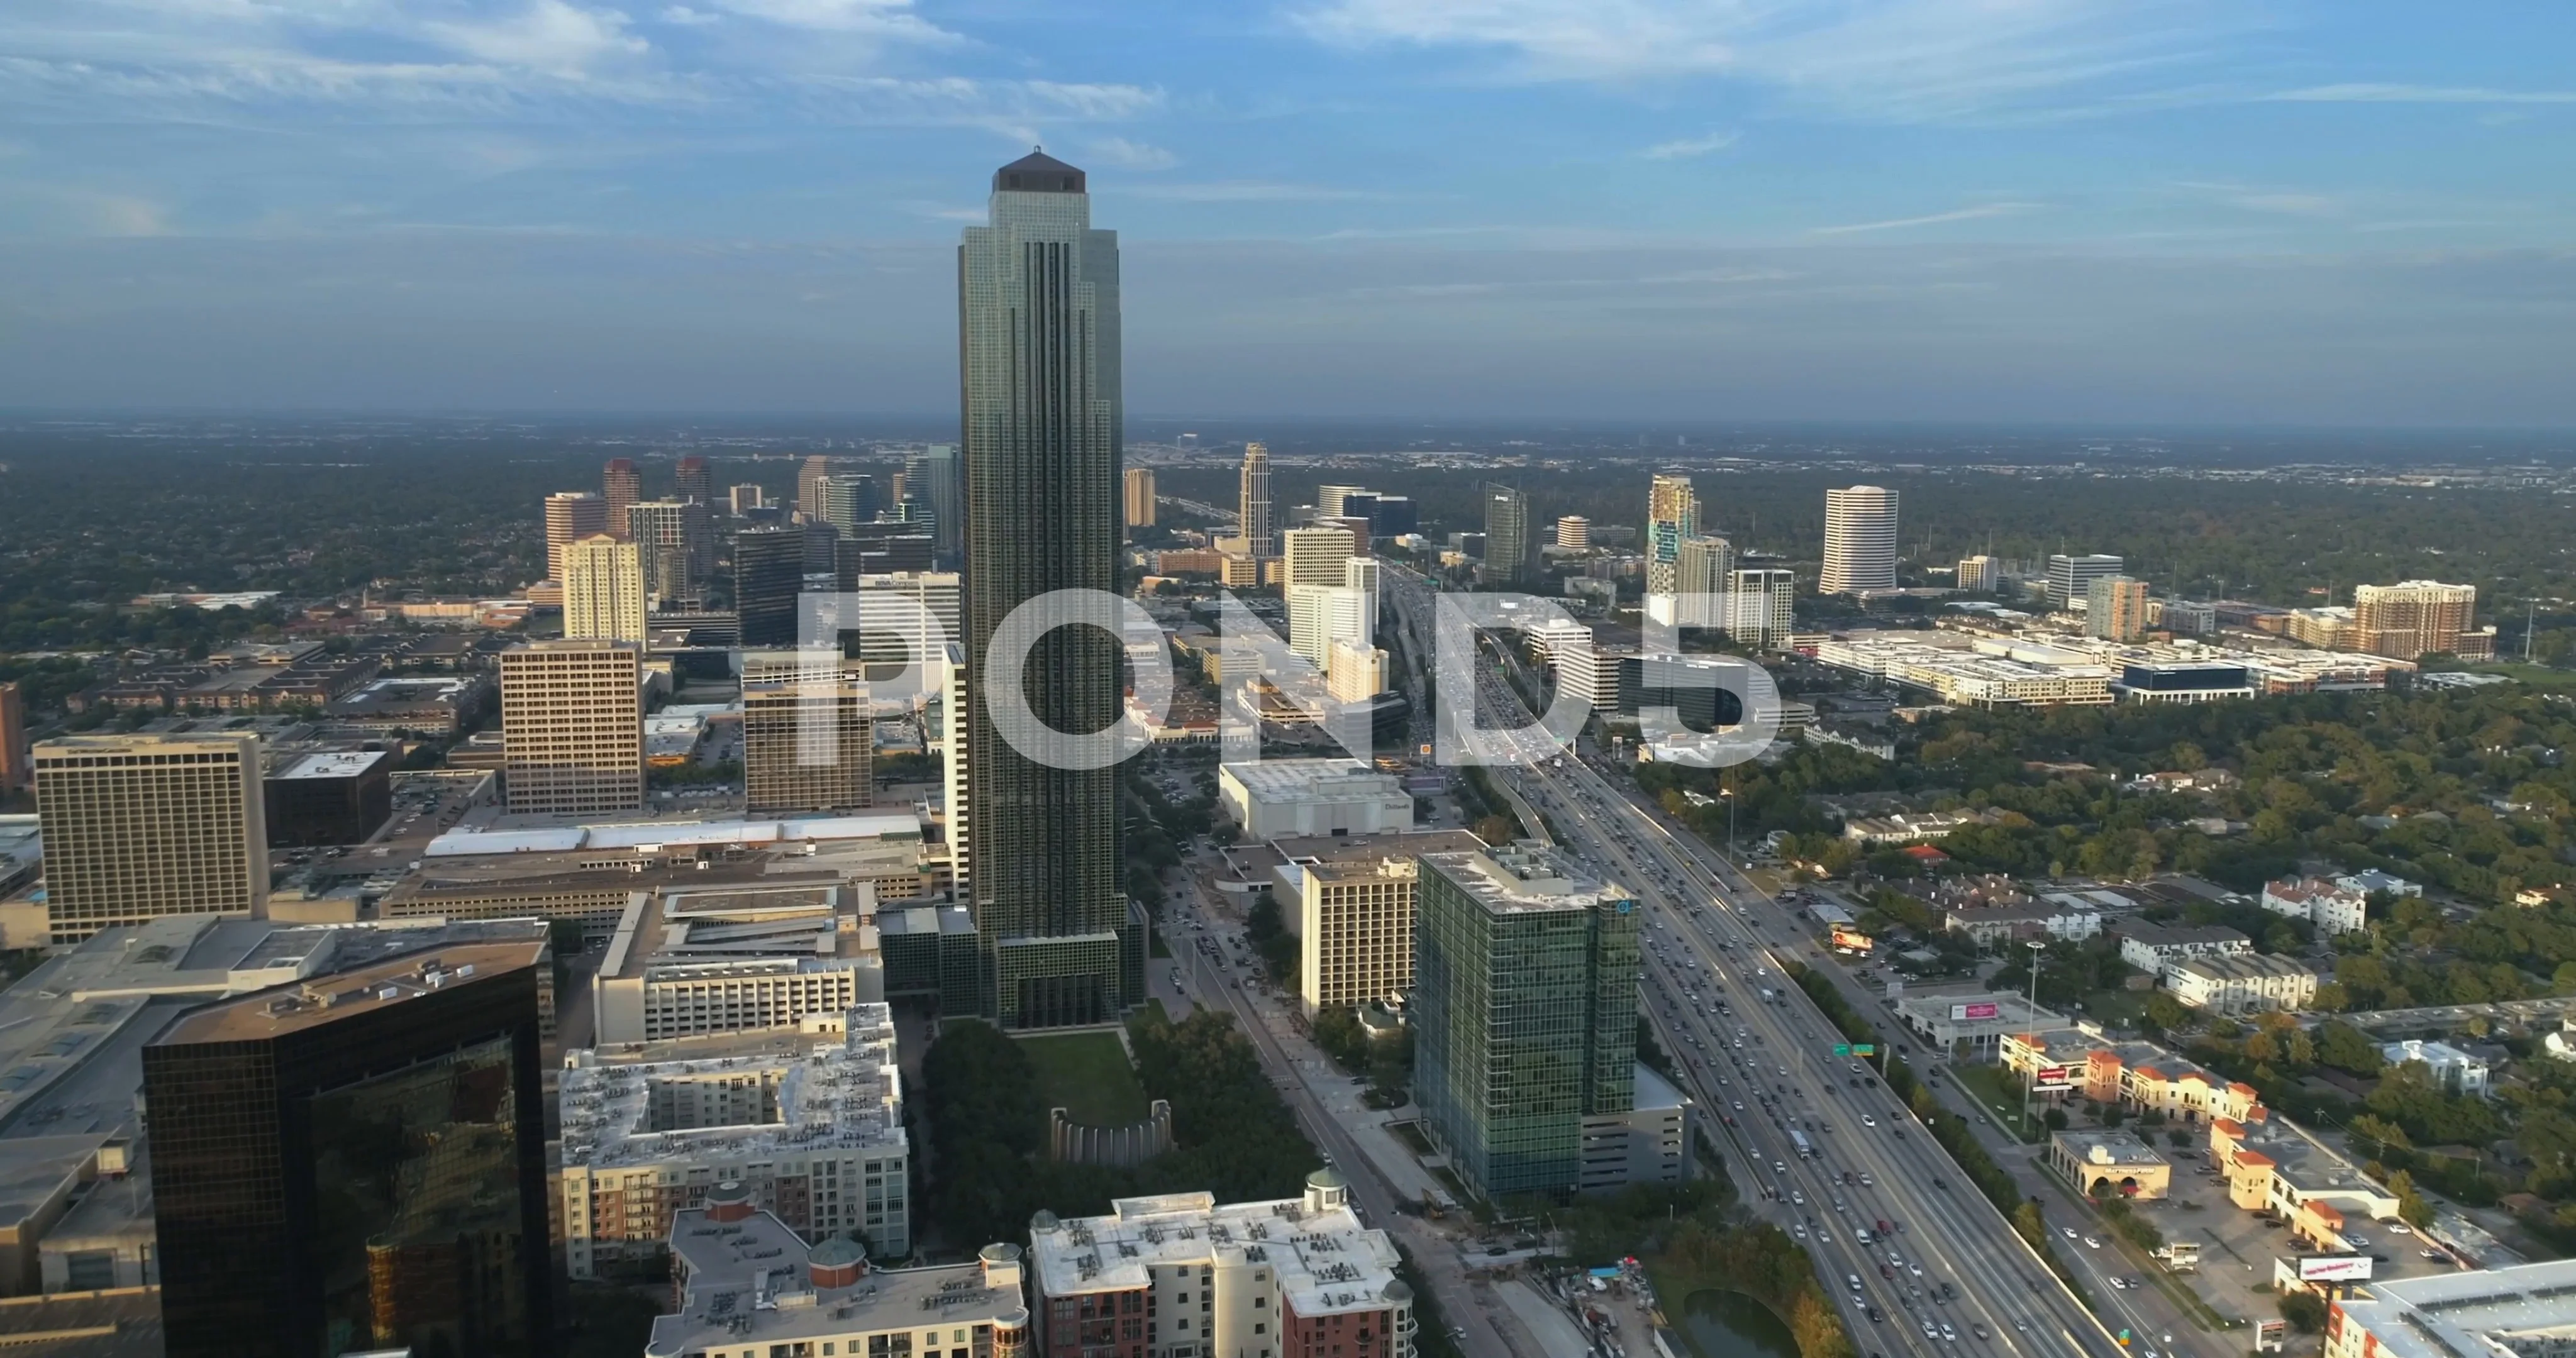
[{"x": 2308, "y": 212}]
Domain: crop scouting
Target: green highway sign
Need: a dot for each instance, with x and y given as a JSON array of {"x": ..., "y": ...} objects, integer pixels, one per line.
[{"x": 1842, "y": 1049}]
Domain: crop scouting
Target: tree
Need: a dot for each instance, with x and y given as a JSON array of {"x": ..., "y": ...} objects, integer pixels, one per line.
[
  {"x": 2054, "y": 1119},
  {"x": 2166, "y": 1012},
  {"x": 2411, "y": 1207},
  {"x": 2347, "y": 1048},
  {"x": 2305, "y": 1311}
]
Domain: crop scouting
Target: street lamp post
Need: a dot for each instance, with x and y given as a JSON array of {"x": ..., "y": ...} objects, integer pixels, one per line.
[
  {"x": 2028, "y": 1083},
  {"x": 1728, "y": 794}
]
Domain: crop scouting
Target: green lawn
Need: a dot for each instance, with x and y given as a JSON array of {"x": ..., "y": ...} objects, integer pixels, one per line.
[
  {"x": 1986, "y": 1082},
  {"x": 1087, "y": 1075}
]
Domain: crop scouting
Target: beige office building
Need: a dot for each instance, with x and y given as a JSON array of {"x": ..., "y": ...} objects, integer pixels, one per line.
[
  {"x": 2418, "y": 617},
  {"x": 1350, "y": 899},
  {"x": 603, "y": 590},
  {"x": 1258, "y": 526},
  {"x": 571, "y": 515},
  {"x": 1761, "y": 609},
  {"x": 1979, "y": 575},
  {"x": 2115, "y": 608},
  {"x": 1314, "y": 556},
  {"x": 1140, "y": 497},
  {"x": 572, "y": 727},
  {"x": 805, "y": 751},
  {"x": 1860, "y": 540},
  {"x": 137, "y": 827}
]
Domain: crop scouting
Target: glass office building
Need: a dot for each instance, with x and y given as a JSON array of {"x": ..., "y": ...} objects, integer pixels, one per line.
[
  {"x": 1524, "y": 1013},
  {"x": 358, "y": 1164}
]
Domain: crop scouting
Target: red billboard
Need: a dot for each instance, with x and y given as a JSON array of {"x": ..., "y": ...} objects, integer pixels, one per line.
[
  {"x": 2050, "y": 1078},
  {"x": 1983, "y": 1010}
]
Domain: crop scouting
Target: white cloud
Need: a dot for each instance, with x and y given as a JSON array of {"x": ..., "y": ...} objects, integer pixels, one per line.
[
  {"x": 1898, "y": 60},
  {"x": 1691, "y": 146},
  {"x": 1965, "y": 214},
  {"x": 1242, "y": 191},
  {"x": 880, "y": 18},
  {"x": 1118, "y": 153},
  {"x": 686, "y": 17},
  {"x": 549, "y": 35},
  {"x": 2418, "y": 94}
]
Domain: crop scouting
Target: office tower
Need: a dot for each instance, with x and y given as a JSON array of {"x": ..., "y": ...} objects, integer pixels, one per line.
[
  {"x": 572, "y": 727},
  {"x": 936, "y": 479},
  {"x": 1703, "y": 572},
  {"x": 1574, "y": 533},
  {"x": 1760, "y": 608},
  {"x": 14, "y": 773},
  {"x": 809, "y": 486},
  {"x": 1507, "y": 540},
  {"x": 136, "y": 827},
  {"x": 1043, "y": 418},
  {"x": 1345, "y": 502},
  {"x": 1860, "y": 540},
  {"x": 2071, "y": 577},
  {"x": 849, "y": 499},
  {"x": 744, "y": 498},
  {"x": 1672, "y": 515},
  {"x": 1140, "y": 497},
  {"x": 603, "y": 591},
  {"x": 2116, "y": 608},
  {"x": 1259, "y": 524},
  {"x": 768, "y": 574},
  {"x": 1353, "y": 911},
  {"x": 1314, "y": 556},
  {"x": 881, "y": 549},
  {"x": 1524, "y": 1015},
  {"x": 672, "y": 539},
  {"x": 805, "y": 751},
  {"x": 692, "y": 482},
  {"x": 908, "y": 617},
  {"x": 1979, "y": 575},
  {"x": 1345, "y": 611},
  {"x": 571, "y": 515},
  {"x": 621, "y": 485},
  {"x": 358, "y": 1162},
  {"x": 1393, "y": 516},
  {"x": 2416, "y": 617},
  {"x": 955, "y": 727}
]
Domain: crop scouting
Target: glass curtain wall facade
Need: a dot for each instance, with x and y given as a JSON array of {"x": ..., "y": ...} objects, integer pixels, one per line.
[
  {"x": 1044, "y": 423},
  {"x": 369, "y": 1182},
  {"x": 1525, "y": 1019}
]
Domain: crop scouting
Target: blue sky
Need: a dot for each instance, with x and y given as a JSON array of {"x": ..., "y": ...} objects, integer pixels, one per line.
[{"x": 2266, "y": 210}]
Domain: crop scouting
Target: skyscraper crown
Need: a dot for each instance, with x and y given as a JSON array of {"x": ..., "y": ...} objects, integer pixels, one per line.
[{"x": 1038, "y": 172}]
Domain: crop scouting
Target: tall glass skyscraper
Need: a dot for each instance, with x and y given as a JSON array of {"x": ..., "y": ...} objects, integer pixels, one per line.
[
  {"x": 1524, "y": 1016},
  {"x": 1507, "y": 540},
  {"x": 1044, "y": 424}
]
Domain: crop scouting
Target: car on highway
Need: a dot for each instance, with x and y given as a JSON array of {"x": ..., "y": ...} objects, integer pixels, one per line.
[
  {"x": 2092, "y": 1242},
  {"x": 2067, "y": 1231},
  {"x": 1867, "y": 1121},
  {"x": 2120, "y": 1283}
]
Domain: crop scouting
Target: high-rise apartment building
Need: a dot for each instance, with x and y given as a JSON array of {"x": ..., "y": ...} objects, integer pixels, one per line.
[
  {"x": 1259, "y": 522},
  {"x": 1043, "y": 416},
  {"x": 603, "y": 593},
  {"x": 1507, "y": 537},
  {"x": 1860, "y": 540},
  {"x": 691, "y": 482},
  {"x": 809, "y": 486},
  {"x": 806, "y": 747},
  {"x": 768, "y": 574},
  {"x": 1979, "y": 575},
  {"x": 572, "y": 727},
  {"x": 1140, "y": 497},
  {"x": 2416, "y": 617},
  {"x": 620, "y": 486},
  {"x": 358, "y": 1162},
  {"x": 1672, "y": 517},
  {"x": 1703, "y": 574},
  {"x": 932, "y": 477},
  {"x": 908, "y": 617},
  {"x": 1574, "y": 533},
  {"x": 673, "y": 540},
  {"x": 955, "y": 721},
  {"x": 1761, "y": 608},
  {"x": 571, "y": 515},
  {"x": 2071, "y": 577},
  {"x": 14, "y": 770},
  {"x": 1314, "y": 556},
  {"x": 1524, "y": 1016},
  {"x": 1354, "y": 912},
  {"x": 2115, "y": 608},
  {"x": 136, "y": 827},
  {"x": 743, "y": 499}
]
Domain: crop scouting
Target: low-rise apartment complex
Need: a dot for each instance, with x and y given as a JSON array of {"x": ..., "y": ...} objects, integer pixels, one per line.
[{"x": 2242, "y": 983}]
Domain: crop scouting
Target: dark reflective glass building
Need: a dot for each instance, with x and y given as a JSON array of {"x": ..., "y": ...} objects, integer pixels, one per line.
[{"x": 357, "y": 1163}]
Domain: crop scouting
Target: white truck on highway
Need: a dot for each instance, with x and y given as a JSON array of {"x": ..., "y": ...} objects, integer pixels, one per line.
[{"x": 1806, "y": 1151}]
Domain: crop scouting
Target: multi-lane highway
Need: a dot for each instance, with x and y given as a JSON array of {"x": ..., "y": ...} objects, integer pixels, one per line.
[{"x": 1949, "y": 1275}]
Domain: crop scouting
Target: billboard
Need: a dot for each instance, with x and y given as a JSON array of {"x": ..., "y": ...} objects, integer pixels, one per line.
[
  {"x": 2047, "y": 1079},
  {"x": 1983, "y": 1010},
  {"x": 2334, "y": 1268},
  {"x": 1852, "y": 939}
]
